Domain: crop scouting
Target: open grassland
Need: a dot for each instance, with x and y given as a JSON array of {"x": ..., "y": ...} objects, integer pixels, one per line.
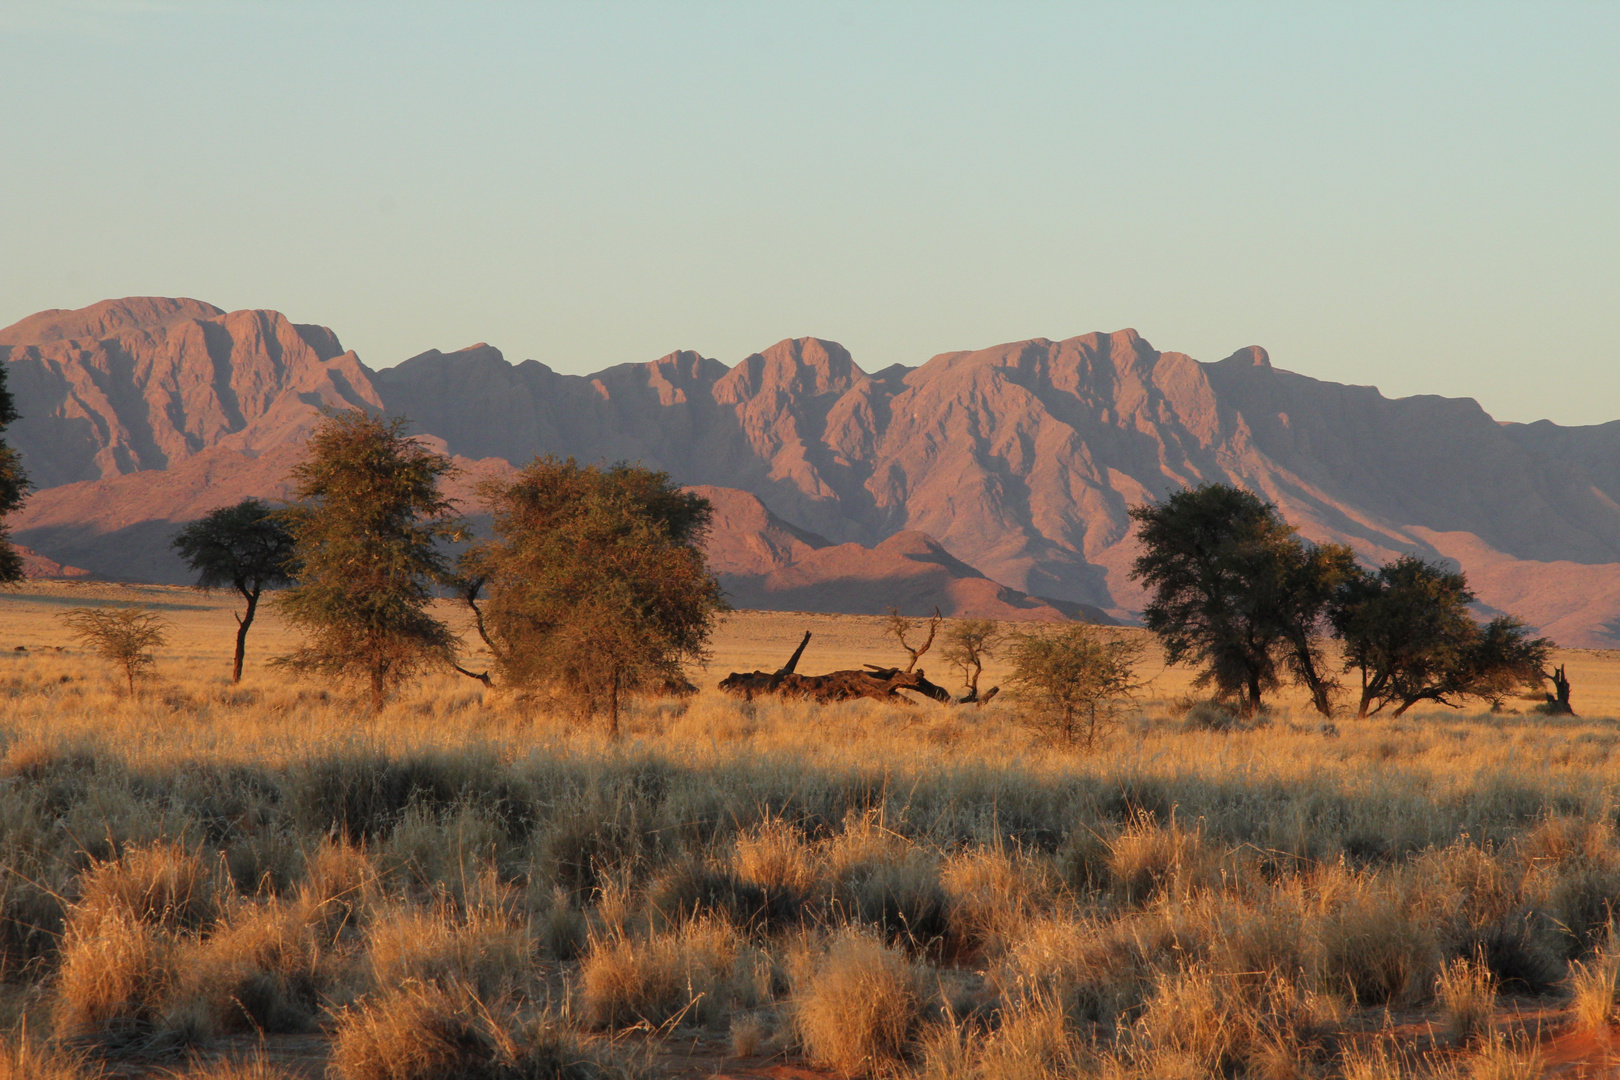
[{"x": 268, "y": 880}]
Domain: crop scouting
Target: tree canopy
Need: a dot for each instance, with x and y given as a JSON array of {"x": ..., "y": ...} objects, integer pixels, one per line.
[
  {"x": 1237, "y": 593},
  {"x": 13, "y": 486},
  {"x": 367, "y": 528},
  {"x": 596, "y": 580},
  {"x": 245, "y": 547},
  {"x": 1407, "y": 630}
]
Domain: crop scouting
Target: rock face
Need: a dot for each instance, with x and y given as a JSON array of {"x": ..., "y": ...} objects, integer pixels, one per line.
[
  {"x": 1020, "y": 460},
  {"x": 145, "y": 383}
]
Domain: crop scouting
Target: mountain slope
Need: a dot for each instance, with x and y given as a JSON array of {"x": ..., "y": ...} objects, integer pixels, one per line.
[
  {"x": 1020, "y": 460},
  {"x": 767, "y": 564},
  {"x": 145, "y": 383}
]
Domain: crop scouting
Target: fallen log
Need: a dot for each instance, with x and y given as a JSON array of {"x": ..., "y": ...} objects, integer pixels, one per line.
[
  {"x": 875, "y": 682},
  {"x": 883, "y": 684}
]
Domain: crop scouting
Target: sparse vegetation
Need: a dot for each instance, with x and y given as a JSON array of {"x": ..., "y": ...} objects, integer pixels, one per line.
[
  {"x": 467, "y": 884},
  {"x": 122, "y": 636}
]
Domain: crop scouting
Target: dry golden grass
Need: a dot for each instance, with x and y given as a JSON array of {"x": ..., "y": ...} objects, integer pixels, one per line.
[
  {"x": 897, "y": 889},
  {"x": 860, "y": 1006}
]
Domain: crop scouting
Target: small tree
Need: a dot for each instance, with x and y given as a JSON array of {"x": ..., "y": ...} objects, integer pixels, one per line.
[
  {"x": 122, "y": 636},
  {"x": 901, "y": 626},
  {"x": 366, "y": 534},
  {"x": 245, "y": 547},
  {"x": 597, "y": 583},
  {"x": 1072, "y": 682},
  {"x": 1407, "y": 630},
  {"x": 968, "y": 644},
  {"x": 13, "y": 486},
  {"x": 1236, "y": 592}
]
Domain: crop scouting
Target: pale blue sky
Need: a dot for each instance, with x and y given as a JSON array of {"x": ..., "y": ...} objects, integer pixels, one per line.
[{"x": 1425, "y": 197}]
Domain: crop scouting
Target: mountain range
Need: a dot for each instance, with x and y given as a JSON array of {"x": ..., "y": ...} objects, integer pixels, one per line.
[{"x": 994, "y": 481}]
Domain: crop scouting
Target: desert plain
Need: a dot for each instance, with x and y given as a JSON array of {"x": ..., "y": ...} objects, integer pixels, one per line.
[{"x": 269, "y": 880}]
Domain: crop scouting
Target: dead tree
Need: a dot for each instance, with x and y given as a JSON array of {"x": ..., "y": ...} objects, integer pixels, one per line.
[
  {"x": 900, "y": 626},
  {"x": 876, "y": 682},
  {"x": 1558, "y": 701},
  {"x": 882, "y": 684}
]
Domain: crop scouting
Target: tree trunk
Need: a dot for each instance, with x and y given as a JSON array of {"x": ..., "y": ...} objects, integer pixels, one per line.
[
  {"x": 376, "y": 690},
  {"x": 1558, "y": 702},
  {"x": 1252, "y": 706},
  {"x": 242, "y": 623},
  {"x": 613, "y": 707},
  {"x": 793, "y": 661}
]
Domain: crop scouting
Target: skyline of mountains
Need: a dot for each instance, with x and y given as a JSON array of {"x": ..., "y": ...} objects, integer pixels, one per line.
[{"x": 1018, "y": 462}]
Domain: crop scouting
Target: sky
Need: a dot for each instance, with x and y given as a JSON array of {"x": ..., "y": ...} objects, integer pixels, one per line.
[{"x": 1421, "y": 197}]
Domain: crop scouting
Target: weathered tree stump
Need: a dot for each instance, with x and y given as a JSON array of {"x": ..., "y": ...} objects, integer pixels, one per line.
[{"x": 1557, "y": 702}]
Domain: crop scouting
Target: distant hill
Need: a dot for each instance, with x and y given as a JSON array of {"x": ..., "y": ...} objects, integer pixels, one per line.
[
  {"x": 1018, "y": 462},
  {"x": 767, "y": 564}
]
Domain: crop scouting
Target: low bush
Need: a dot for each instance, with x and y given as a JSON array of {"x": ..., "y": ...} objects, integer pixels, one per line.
[
  {"x": 418, "y": 1031},
  {"x": 860, "y": 1007},
  {"x": 693, "y": 974}
]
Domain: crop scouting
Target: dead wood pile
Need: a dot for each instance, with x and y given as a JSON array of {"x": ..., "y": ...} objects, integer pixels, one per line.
[{"x": 881, "y": 683}]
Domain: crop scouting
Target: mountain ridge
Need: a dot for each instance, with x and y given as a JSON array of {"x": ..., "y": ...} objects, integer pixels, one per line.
[{"x": 1021, "y": 459}]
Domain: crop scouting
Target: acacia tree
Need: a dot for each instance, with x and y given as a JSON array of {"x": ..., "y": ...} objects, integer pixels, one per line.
[
  {"x": 13, "y": 486},
  {"x": 366, "y": 532},
  {"x": 122, "y": 636},
  {"x": 968, "y": 644},
  {"x": 1406, "y": 629},
  {"x": 1070, "y": 683},
  {"x": 245, "y": 547},
  {"x": 1236, "y": 592},
  {"x": 596, "y": 579}
]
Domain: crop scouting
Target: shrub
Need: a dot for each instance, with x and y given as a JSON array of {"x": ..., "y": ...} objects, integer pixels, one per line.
[
  {"x": 688, "y": 974},
  {"x": 115, "y": 971},
  {"x": 340, "y": 885},
  {"x": 24, "y": 1060},
  {"x": 776, "y": 857},
  {"x": 420, "y": 1031},
  {"x": 483, "y": 951},
  {"x": 1070, "y": 683},
  {"x": 122, "y": 636},
  {"x": 690, "y": 889},
  {"x": 1467, "y": 996},
  {"x": 1148, "y": 859},
  {"x": 860, "y": 1007},
  {"x": 160, "y": 884},
  {"x": 262, "y": 970},
  {"x": 1595, "y": 987},
  {"x": 1372, "y": 948},
  {"x": 903, "y": 901}
]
